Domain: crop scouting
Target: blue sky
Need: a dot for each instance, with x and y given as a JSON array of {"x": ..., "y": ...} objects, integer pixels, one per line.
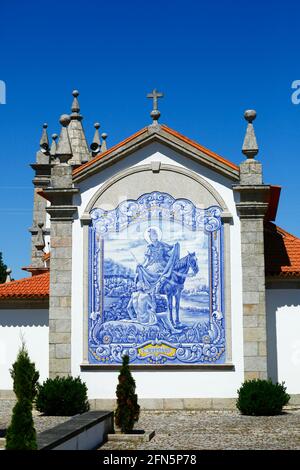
[{"x": 212, "y": 60}]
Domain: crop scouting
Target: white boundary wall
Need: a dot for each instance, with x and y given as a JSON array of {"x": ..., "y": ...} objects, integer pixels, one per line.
[
  {"x": 283, "y": 325},
  {"x": 32, "y": 326}
]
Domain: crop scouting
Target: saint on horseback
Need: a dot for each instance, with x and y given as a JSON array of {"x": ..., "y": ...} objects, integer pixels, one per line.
[{"x": 163, "y": 272}]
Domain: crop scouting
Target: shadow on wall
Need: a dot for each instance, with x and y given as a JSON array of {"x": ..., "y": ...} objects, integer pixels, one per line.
[
  {"x": 276, "y": 255},
  {"x": 25, "y": 318}
]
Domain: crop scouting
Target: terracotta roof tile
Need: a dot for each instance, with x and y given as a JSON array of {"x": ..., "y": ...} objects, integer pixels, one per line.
[
  {"x": 200, "y": 147},
  {"x": 282, "y": 252},
  {"x": 26, "y": 288}
]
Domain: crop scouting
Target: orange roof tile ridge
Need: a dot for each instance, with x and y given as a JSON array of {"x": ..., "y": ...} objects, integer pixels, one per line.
[
  {"x": 286, "y": 233},
  {"x": 169, "y": 131},
  {"x": 199, "y": 146},
  {"x": 101, "y": 155}
]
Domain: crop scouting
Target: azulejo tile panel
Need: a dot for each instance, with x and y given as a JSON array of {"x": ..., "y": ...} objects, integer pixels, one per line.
[{"x": 156, "y": 283}]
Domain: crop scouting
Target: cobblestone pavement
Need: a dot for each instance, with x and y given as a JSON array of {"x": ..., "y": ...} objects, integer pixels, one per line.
[
  {"x": 41, "y": 423},
  {"x": 191, "y": 430}
]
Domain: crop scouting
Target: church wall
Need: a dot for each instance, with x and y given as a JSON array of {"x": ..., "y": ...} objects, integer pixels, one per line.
[
  {"x": 30, "y": 325},
  {"x": 164, "y": 383},
  {"x": 283, "y": 326}
]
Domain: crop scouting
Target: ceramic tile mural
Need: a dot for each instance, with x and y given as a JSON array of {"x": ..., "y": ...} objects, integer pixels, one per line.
[{"x": 156, "y": 283}]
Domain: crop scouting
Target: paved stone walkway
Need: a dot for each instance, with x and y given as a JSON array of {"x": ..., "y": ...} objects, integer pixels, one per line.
[
  {"x": 41, "y": 423},
  {"x": 203, "y": 430}
]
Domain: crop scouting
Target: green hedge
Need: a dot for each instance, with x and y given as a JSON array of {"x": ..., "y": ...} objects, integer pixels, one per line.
[
  {"x": 261, "y": 398},
  {"x": 62, "y": 396}
]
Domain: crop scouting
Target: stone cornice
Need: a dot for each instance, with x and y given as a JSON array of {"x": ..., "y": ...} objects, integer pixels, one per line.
[
  {"x": 59, "y": 196},
  {"x": 251, "y": 210},
  {"x": 254, "y": 200},
  {"x": 62, "y": 212}
]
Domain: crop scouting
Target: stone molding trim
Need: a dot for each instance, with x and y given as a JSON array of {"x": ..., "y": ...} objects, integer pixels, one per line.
[
  {"x": 148, "y": 168},
  {"x": 157, "y": 367}
]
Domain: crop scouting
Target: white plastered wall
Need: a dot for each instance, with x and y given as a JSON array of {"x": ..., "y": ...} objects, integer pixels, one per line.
[
  {"x": 283, "y": 326},
  {"x": 32, "y": 326},
  {"x": 160, "y": 384}
]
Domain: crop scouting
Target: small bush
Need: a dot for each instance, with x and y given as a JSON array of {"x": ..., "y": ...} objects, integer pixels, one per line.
[
  {"x": 261, "y": 398},
  {"x": 21, "y": 434},
  {"x": 62, "y": 396},
  {"x": 128, "y": 410}
]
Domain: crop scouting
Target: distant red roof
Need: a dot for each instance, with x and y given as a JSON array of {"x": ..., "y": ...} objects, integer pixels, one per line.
[
  {"x": 282, "y": 252},
  {"x": 35, "y": 287}
]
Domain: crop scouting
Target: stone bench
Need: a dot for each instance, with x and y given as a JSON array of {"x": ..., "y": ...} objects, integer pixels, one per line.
[{"x": 83, "y": 432}]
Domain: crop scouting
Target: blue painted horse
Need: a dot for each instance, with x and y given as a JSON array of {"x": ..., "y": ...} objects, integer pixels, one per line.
[{"x": 170, "y": 283}]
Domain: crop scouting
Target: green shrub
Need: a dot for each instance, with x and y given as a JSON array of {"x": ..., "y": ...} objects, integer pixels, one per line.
[
  {"x": 21, "y": 434},
  {"x": 261, "y": 398},
  {"x": 128, "y": 410},
  {"x": 62, "y": 396}
]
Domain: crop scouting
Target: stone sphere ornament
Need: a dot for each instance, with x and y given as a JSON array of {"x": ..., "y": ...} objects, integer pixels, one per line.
[
  {"x": 155, "y": 114},
  {"x": 65, "y": 120},
  {"x": 250, "y": 115}
]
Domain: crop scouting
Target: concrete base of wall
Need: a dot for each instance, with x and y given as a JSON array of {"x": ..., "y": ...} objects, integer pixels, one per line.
[
  {"x": 294, "y": 400},
  {"x": 7, "y": 395},
  {"x": 165, "y": 403},
  {"x": 170, "y": 404}
]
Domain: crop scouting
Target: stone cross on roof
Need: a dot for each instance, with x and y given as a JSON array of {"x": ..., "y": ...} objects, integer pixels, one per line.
[{"x": 155, "y": 114}]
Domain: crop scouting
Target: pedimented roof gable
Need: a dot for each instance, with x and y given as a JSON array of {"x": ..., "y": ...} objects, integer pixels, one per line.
[{"x": 163, "y": 135}]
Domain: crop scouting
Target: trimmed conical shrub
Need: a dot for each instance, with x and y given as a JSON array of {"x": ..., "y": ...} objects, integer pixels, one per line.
[
  {"x": 128, "y": 410},
  {"x": 21, "y": 434}
]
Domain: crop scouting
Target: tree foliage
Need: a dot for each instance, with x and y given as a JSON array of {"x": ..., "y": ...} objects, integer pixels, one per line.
[
  {"x": 128, "y": 410},
  {"x": 3, "y": 269},
  {"x": 21, "y": 434}
]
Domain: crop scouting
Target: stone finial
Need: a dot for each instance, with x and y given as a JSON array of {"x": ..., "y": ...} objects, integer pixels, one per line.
[
  {"x": 75, "y": 106},
  {"x": 44, "y": 142},
  {"x": 53, "y": 145},
  {"x": 155, "y": 113},
  {"x": 250, "y": 147},
  {"x": 103, "y": 144},
  {"x": 79, "y": 146},
  {"x": 40, "y": 242},
  {"x": 95, "y": 145},
  {"x": 63, "y": 150},
  {"x": 8, "y": 275}
]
